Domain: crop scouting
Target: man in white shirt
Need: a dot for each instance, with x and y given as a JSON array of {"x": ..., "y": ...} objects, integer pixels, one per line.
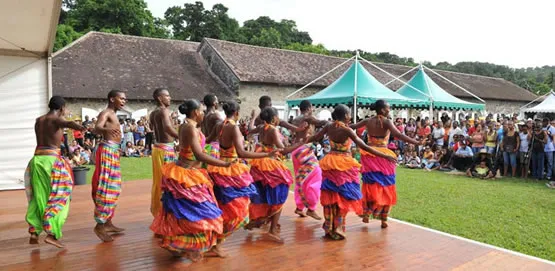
[
  {"x": 454, "y": 131},
  {"x": 438, "y": 133}
]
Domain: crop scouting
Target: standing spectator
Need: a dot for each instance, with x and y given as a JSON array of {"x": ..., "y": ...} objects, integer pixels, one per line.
[
  {"x": 510, "y": 146},
  {"x": 478, "y": 138},
  {"x": 74, "y": 146},
  {"x": 401, "y": 127},
  {"x": 454, "y": 131},
  {"x": 128, "y": 130},
  {"x": 149, "y": 136},
  {"x": 89, "y": 133},
  {"x": 78, "y": 136},
  {"x": 491, "y": 138},
  {"x": 141, "y": 133},
  {"x": 539, "y": 139},
  {"x": 549, "y": 147},
  {"x": 438, "y": 135},
  {"x": 525, "y": 137}
]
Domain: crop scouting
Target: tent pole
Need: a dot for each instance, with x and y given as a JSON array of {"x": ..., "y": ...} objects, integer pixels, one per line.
[
  {"x": 384, "y": 71},
  {"x": 356, "y": 94},
  {"x": 322, "y": 76},
  {"x": 442, "y": 77},
  {"x": 429, "y": 93},
  {"x": 400, "y": 76}
]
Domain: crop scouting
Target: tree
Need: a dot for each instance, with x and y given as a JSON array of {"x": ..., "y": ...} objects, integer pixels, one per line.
[
  {"x": 129, "y": 16},
  {"x": 65, "y": 35},
  {"x": 253, "y": 30},
  {"x": 268, "y": 38},
  {"x": 309, "y": 48}
]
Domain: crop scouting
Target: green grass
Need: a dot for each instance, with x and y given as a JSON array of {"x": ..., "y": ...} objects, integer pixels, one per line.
[
  {"x": 132, "y": 169},
  {"x": 511, "y": 213}
]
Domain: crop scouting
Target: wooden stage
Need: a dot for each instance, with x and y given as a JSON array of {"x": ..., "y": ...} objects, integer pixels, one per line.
[{"x": 399, "y": 247}]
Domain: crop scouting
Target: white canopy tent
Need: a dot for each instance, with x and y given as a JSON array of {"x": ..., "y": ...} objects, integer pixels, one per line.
[
  {"x": 27, "y": 33},
  {"x": 547, "y": 106}
]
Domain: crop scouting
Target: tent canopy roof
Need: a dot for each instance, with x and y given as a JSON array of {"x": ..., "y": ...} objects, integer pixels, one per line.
[
  {"x": 368, "y": 90},
  {"x": 424, "y": 88},
  {"x": 29, "y": 24},
  {"x": 547, "y": 106}
]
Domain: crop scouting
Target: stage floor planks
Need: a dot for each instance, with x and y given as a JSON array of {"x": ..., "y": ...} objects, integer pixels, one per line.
[{"x": 368, "y": 247}]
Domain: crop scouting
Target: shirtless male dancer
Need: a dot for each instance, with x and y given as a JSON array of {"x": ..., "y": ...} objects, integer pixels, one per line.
[
  {"x": 48, "y": 180},
  {"x": 211, "y": 120},
  {"x": 308, "y": 175},
  {"x": 106, "y": 181},
  {"x": 163, "y": 150}
]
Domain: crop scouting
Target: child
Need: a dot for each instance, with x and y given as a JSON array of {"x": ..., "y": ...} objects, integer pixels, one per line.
[{"x": 481, "y": 171}]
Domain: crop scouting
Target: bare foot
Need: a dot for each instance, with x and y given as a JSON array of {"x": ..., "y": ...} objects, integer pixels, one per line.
[
  {"x": 34, "y": 239},
  {"x": 102, "y": 234},
  {"x": 176, "y": 254},
  {"x": 159, "y": 236},
  {"x": 110, "y": 227},
  {"x": 341, "y": 233},
  {"x": 299, "y": 212},
  {"x": 366, "y": 219},
  {"x": 216, "y": 252},
  {"x": 384, "y": 224},
  {"x": 313, "y": 214},
  {"x": 53, "y": 241},
  {"x": 193, "y": 256},
  {"x": 274, "y": 237}
]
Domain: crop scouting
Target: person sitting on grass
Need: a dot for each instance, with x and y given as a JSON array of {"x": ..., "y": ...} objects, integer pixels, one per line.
[
  {"x": 481, "y": 170},
  {"x": 463, "y": 157},
  {"x": 427, "y": 156},
  {"x": 434, "y": 162},
  {"x": 131, "y": 151},
  {"x": 412, "y": 160},
  {"x": 482, "y": 157}
]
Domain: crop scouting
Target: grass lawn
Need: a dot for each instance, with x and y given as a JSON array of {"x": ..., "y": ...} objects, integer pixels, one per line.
[{"x": 509, "y": 213}]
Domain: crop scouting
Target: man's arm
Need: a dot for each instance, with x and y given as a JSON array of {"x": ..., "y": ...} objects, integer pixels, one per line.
[
  {"x": 61, "y": 122},
  {"x": 168, "y": 127},
  {"x": 316, "y": 122},
  {"x": 292, "y": 127},
  {"x": 100, "y": 127}
]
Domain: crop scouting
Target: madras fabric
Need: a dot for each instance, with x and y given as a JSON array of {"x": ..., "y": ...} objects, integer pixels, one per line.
[
  {"x": 213, "y": 149},
  {"x": 186, "y": 153},
  {"x": 106, "y": 181},
  {"x": 334, "y": 218},
  {"x": 308, "y": 178},
  {"x": 48, "y": 186},
  {"x": 162, "y": 153},
  {"x": 378, "y": 184},
  {"x": 272, "y": 180},
  {"x": 190, "y": 219}
]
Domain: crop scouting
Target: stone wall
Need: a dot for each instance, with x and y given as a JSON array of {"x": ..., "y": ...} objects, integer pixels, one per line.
[
  {"x": 503, "y": 107},
  {"x": 250, "y": 93}
]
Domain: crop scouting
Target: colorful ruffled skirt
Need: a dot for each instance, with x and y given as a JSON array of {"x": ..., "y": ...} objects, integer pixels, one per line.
[
  {"x": 190, "y": 220},
  {"x": 272, "y": 180},
  {"x": 233, "y": 187},
  {"x": 340, "y": 191},
  {"x": 378, "y": 184}
]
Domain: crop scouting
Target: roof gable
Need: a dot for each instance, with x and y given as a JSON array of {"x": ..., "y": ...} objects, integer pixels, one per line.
[{"x": 99, "y": 62}]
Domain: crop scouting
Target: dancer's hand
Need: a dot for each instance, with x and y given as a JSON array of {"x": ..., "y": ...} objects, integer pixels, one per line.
[
  {"x": 392, "y": 159},
  {"x": 253, "y": 114},
  {"x": 115, "y": 132},
  {"x": 274, "y": 153}
]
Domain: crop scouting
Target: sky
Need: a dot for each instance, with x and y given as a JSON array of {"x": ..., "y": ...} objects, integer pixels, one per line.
[{"x": 513, "y": 33}]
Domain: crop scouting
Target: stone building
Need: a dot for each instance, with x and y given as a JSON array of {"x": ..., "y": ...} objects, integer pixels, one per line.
[{"x": 87, "y": 69}]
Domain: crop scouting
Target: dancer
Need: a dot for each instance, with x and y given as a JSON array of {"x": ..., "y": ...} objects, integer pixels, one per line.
[
  {"x": 233, "y": 185},
  {"x": 308, "y": 175},
  {"x": 340, "y": 173},
  {"x": 189, "y": 220},
  {"x": 378, "y": 174},
  {"x": 271, "y": 177},
  {"x": 266, "y": 102},
  {"x": 106, "y": 180},
  {"x": 163, "y": 151},
  {"x": 211, "y": 119},
  {"x": 48, "y": 180}
]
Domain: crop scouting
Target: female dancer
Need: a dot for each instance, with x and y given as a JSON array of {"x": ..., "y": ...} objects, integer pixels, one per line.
[
  {"x": 190, "y": 220},
  {"x": 340, "y": 173},
  {"x": 378, "y": 174},
  {"x": 233, "y": 185},
  {"x": 272, "y": 178}
]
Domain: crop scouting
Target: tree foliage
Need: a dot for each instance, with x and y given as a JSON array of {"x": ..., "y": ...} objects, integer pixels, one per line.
[{"x": 193, "y": 22}]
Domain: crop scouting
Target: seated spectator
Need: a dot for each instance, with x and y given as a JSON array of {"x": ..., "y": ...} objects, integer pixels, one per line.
[
  {"x": 463, "y": 157},
  {"x": 77, "y": 159},
  {"x": 88, "y": 143},
  {"x": 480, "y": 170},
  {"x": 427, "y": 155},
  {"x": 141, "y": 148},
  {"x": 74, "y": 146},
  {"x": 400, "y": 157},
  {"x": 434, "y": 162},
  {"x": 131, "y": 151},
  {"x": 86, "y": 154},
  {"x": 412, "y": 160}
]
